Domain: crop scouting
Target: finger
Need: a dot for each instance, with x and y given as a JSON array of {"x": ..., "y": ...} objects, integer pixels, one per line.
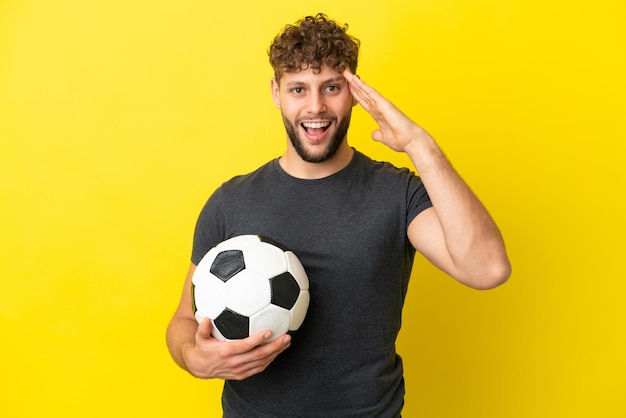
[
  {"x": 367, "y": 102},
  {"x": 265, "y": 353},
  {"x": 257, "y": 359},
  {"x": 204, "y": 329},
  {"x": 377, "y": 135},
  {"x": 354, "y": 89},
  {"x": 360, "y": 88},
  {"x": 280, "y": 344},
  {"x": 250, "y": 343},
  {"x": 357, "y": 93}
]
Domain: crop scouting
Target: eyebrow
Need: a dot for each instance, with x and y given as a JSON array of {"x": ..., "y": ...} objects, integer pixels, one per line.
[
  {"x": 296, "y": 83},
  {"x": 334, "y": 79}
]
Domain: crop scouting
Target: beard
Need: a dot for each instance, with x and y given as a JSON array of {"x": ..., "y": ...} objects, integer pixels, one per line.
[{"x": 331, "y": 149}]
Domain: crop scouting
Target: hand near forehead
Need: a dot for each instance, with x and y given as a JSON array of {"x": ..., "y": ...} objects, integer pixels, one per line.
[{"x": 395, "y": 129}]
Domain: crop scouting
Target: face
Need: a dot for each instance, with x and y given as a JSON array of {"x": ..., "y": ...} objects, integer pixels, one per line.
[{"x": 316, "y": 111}]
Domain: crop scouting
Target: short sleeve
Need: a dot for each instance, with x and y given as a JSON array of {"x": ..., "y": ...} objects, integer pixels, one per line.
[
  {"x": 209, "y": 230},
  {"x": 417, "y": 198}
]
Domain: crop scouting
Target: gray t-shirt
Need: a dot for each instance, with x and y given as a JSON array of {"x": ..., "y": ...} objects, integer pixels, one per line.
[{"x": 349, "y": 232}]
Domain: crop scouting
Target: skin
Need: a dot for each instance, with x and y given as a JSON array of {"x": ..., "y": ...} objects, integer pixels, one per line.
[{"x": 457, "y": 234}]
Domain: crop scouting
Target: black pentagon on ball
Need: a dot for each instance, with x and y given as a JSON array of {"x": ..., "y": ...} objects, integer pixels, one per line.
[
  {"x": 232, "y": 325},
  {"x": 285, "y": 290},
  {"x": 227, "y": 264},
  {"x": 194, "y": 308},
  {"x": 273, "y": 242}
]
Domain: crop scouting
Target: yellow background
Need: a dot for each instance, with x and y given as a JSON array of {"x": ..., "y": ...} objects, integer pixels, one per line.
[{"x": 118, "y": 118}]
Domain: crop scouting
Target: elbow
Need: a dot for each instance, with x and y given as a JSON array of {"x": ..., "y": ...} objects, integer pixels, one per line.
[
  {"x": 491, "y": 274},
  {"x": 494, "y": 275}
]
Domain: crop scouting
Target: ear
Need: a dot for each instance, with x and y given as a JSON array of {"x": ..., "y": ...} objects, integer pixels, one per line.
[{"x": 275, "y": 92}]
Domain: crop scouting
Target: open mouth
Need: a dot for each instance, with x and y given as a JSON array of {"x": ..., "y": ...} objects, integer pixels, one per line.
[{"x": 315, "y": 128}]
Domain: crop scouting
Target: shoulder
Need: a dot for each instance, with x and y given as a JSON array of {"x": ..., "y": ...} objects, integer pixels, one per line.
[
  {"x": 239, "y": 187},
  {"x": 383, "y": 170},
  {"x": 393, "y": 182},
  {"x": 250, "y": 181}
]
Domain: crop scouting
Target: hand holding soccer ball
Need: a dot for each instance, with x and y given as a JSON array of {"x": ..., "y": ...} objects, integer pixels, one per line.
[{"x": 236, "y": 360}]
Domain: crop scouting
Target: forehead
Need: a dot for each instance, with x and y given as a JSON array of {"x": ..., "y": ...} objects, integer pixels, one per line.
[{"x": 311, "y": 77}]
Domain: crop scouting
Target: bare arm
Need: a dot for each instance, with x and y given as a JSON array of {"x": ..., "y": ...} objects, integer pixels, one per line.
[
  {"x": 194, "y": 349},
  {"x": 457, "y": 235}
]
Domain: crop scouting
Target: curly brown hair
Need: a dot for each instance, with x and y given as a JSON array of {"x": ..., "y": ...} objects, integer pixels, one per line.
[{"x": 312, "y": 42}]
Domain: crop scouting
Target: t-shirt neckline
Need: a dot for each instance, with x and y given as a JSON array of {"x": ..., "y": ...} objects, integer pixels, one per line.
[{"x": 283, "y": 174}]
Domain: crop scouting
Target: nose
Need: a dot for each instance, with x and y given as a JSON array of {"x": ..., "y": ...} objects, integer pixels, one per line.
[{"x": 315, "y": 104}]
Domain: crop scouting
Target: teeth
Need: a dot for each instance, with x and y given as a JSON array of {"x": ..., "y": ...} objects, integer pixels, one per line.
[{"x": 316, "y": 125}]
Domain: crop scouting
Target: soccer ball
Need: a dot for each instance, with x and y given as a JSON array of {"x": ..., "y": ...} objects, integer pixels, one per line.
[{"x": 247, "y": 284}]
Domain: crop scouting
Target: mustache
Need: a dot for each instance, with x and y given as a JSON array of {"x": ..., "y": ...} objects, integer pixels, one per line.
[{"x": 323, "y": 116}]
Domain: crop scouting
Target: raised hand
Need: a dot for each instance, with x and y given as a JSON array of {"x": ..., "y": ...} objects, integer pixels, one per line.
[{"x": 395, "y": 129}]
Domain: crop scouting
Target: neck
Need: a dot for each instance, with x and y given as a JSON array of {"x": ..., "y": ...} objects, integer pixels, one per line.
[{"x": 295, "y": 166}]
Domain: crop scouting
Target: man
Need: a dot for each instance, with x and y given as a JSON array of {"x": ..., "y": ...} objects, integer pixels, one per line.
[{"x": 354, "y": 223}]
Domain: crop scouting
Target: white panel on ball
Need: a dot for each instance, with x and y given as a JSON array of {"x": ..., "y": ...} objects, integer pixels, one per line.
[
  {"x": 248, "y": 292},
  {"x": 298, "y": 312},
  {"x": 266, "y": 259},
  {"x": 273, "y": 318},
  {"x": 296, "y": 269}
]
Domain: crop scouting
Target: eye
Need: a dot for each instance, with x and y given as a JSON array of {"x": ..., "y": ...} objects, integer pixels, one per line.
[
  {"x": 297, "y": 90},
  {"x": 332, "y": 89}
]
